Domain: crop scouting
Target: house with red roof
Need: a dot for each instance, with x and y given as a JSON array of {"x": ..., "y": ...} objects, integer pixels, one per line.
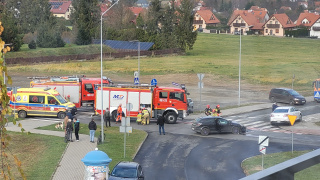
[
  {"x": 248, "y": 20},
  {"x": 204, "y": 18},
  {"x": 61, "y": 8},
  {"x": 277, "y": 24},
  {"x": 136, "y": 11},
  {"x": 311, "y": 21}
]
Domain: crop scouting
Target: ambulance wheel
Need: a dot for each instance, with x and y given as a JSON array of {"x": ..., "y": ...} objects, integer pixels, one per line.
[
  {"x": 171, "y": 118},
  {"x": 22, "y": 114},
  {"x": 61, "y": 115}
]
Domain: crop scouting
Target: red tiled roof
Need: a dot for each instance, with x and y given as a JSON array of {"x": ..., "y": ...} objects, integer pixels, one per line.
[
  {"x": 62, "y": 9},
  {"x": 251, "y": 17},
  {"x": 311, "y": 17},
  {"x": 317, "y": 4},
  {"x": 136, "y": 10},
  {"x": 284, "y": 20},
  {"x": 208, "y": 16}
]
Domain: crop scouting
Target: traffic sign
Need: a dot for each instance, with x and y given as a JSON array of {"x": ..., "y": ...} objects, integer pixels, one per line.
[
  {"x": 136, "y": 74},
  {"x": 154, "y": 82},
  {"x": 200, "y": 76},
  {"x": 263, "y": 141},
  {"x": 136, "y": 81},
  {"x": 262, "y": 149},
  {"x": 292, "y": 119},
  {"x": 176, "y": 84}
]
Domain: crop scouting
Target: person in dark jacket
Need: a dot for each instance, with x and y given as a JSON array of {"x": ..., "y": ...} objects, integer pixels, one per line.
[
  {"x": 69, "y": 129},
  {"x": 92, "y": 127},
  {"x": 160, "y": 122},
  {"x": 274, "y": 106},
  {"x": 76, "y": 127},
  {"x": 106, "y": 117}
]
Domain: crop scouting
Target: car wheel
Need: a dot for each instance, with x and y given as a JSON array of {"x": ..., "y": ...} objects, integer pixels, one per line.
[
  {"x": 204, "y": 131},
  {"x": 61, "y": 115},
  {"x": 171, "y": 118},
  {"x": 235, "y": 130},
  {"x": 291, "y": 102},
  {"x": 22, "y": 114},
  {"x": 273, "y": 100}
]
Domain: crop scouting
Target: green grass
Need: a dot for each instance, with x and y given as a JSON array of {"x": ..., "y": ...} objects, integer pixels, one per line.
[
  {"x": 253, "y": 164},
  {"x": 39, "y": 154},
  {"x": 113, "y": 145},
  {"x": 264, "y": 60}
]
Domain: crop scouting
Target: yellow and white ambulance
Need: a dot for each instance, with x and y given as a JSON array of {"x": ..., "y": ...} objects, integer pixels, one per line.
[{"x": 39, "y": 102}]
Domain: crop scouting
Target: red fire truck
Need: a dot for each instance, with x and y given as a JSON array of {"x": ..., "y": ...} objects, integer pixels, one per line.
[
  {"x": 160, "y": 101},
  {"x": 79, "y": 91}
]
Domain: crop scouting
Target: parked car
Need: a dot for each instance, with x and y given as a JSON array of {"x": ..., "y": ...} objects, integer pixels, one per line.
[
  {"x": 127, "y": 170},
  {"x": 213, "y": 124},
  {"x": 280, "y": 115},
  {"x": 190, "y": 105},
  {"x": 285, "y": 95}
]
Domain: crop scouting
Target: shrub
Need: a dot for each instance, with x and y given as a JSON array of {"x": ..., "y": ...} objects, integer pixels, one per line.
[{"x": 32, "y": 45}]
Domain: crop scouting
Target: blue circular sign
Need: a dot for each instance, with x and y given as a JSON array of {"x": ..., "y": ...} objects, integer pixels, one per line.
[{"x": 154, "y": 82}]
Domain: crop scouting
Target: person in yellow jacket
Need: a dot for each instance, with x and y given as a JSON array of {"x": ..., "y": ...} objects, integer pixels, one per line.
[
  {"x": 145, "y": 116},
  {"x": 139, "y": 121}
]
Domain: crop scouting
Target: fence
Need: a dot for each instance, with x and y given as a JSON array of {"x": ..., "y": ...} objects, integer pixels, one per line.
[{"x": 122, "y": 54}]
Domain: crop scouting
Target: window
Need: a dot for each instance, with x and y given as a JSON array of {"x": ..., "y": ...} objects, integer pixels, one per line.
[
  {"x": 51, "y": 100},
  {"x": 223, "y": 121},
  {"x": 36, "y": 99},
  {"x": 89, "y": 88},
  {"x": 266, "y": 30},
  {"x": 176, "y": 95},
  {"x": 276, "y": 22},
  {"x": 163, "y": 95},
  {"x": 277, "y": 30}
]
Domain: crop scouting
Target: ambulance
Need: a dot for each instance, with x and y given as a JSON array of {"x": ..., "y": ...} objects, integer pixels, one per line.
[{"x": 39, "y": 102}]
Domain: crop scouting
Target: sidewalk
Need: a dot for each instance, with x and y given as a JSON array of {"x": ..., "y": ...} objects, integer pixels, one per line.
[{"x": 70, "y": 166}]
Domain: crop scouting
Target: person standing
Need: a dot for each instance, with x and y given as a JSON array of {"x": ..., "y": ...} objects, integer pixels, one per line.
[
  {"x": 92, "y": 127},
  {"x": 119, "y": 117},
  {"x": 106, "y": 117},
  {"x": 274, "y": 106},
  {"x": 69, "y": 130},
  {"x": 76, "y": 127},
  {"x": 160, "y": 122},
  {"x": 145, "y": 116}
]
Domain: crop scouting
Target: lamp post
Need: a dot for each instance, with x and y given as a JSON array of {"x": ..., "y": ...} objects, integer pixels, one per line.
[
  {"x": 240, "y": 62},
  {"x": 102, "y": 134}
]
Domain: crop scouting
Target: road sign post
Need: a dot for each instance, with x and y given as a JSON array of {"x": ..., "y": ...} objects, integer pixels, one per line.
[
  {"x": 292, "y": 120},
  {"x": 200, "y": 85}
]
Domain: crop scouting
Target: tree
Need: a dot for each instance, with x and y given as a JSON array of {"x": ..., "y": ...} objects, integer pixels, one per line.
[
  {"x": 168, "y": 22},
  {"x": 86, "y": 17},
  {"x": 249, "y": 5},
  {"x": 5, "y": 162},
  {"x": 184, "y": 31}
]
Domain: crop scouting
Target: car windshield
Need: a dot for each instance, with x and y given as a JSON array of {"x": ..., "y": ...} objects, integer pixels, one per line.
[
  {"x": 124, "y": 173},
  {"x": 281, "y": 111},
  {"x": 293, "y": 92},
  {"x": 61, "y": 99}
]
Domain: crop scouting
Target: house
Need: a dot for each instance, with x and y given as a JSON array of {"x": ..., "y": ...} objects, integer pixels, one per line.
[
  {"x": 315, "y": 29},
  {"x": 61, "y": 8},
  {"x": 136, "y": 11},
  {"x": 311, "y": 21},
  {"x": 277, "y": 24},
  {"x": 248, "y": 20},
  {"x": 317, "y": 4},
  {"x": 204, "y": 18}
]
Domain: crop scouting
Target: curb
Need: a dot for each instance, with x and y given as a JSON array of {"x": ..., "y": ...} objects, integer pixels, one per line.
[{"x": 138, "y": 149}]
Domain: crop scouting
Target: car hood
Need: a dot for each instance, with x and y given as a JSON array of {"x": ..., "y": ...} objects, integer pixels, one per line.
[
  {"x": 299, "y": 97},
  {"x": 118, "y": 178}
]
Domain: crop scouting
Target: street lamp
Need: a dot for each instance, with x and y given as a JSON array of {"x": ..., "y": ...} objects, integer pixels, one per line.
[
  {"x": 240, "y": 61},
  {"x": 102, "y": 134}
]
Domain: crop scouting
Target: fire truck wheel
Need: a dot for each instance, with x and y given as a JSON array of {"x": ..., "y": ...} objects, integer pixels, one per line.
[
  {"x": 114, "y": 115},
  {"x": 171, "y": 118},
  {"x": 61, "y": 115},
  {"x": 22, "y": 114}
]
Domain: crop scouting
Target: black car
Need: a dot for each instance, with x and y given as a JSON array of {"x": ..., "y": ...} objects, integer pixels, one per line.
[
  {"x": 127, "y": 170},
  {"x": 285, "y": 95},
  {"x": 215, "y": 124}
]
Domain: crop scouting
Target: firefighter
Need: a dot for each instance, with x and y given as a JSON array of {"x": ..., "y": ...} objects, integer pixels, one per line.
[
  {"x": 119, "y": 117},
  {"x": 139, "y": 121},
  {"x": 145, "y": 116},
  {"x": 218, "y": 110},
  {"x": 208, "y": 110},
  {"x": 214, "y": 112}
]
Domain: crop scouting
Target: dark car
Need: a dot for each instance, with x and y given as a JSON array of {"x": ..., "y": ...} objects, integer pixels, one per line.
[
  {"x": 215, "y": 124},
  {"x": 285, "y": 95},
  {"x": 190, "y": 105},
  {"x": 127, "y": 170}
]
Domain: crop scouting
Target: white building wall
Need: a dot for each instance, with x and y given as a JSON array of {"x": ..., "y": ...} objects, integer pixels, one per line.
[{"x": 315, "y": 33}]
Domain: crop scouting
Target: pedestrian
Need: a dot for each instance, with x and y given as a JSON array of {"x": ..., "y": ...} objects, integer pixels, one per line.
[
  {"x": 160, "y": 122},
  {"x": 65, "y": 121},
  {"x": 69, "y": 130},
  {"x": 274, "y": 106},
  {"x": 139, "y": 121},
  {"x": 145, "y": 116},
  {"x": 76, "y": 127},
  {"x": 106, "y": 117},
  {"x": 119, "y": 111},
  {"x": 69, "y": 114},
  {"x": 92, "y": 127}
]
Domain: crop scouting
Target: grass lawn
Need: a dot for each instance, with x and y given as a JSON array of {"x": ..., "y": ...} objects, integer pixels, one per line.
[
  {"x": 39, "y": 154},
  {"x": 113, "y": 144},
  {"x": 264, "y": 60},
  {"x": 253, "y": 164}
]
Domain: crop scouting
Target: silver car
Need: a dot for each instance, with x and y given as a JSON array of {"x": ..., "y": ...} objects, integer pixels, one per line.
[{"x": 280, "y": 115}]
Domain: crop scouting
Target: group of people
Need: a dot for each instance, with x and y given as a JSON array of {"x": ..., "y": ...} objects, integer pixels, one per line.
[
  {"x": 143, "y": 117},
  {"x": 212, "y": 112},
  {"x": 69, "y": 126}
]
